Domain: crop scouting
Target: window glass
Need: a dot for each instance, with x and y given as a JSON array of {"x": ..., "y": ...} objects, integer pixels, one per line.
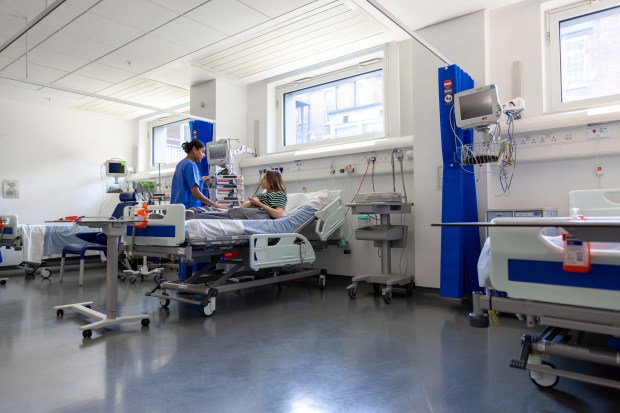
[
  {"x": 344, "y": 108},
  {"x": 167, "y": 140},
  {"x": 584, "y": 55}
]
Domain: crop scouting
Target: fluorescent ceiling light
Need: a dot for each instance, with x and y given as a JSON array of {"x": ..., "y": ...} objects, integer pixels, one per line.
[
  {"x": 603, "y": 110},
  {"x": 344, "y": 146}
]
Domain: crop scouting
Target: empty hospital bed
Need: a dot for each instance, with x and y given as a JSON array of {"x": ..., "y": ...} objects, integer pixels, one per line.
[
  {"x": 237, "y": 254},
  {"x": 38, "y": 242},
  {"x": 526, "y": 277}
]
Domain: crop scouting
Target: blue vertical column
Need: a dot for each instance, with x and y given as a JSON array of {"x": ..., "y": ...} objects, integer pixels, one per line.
[
  {"x": 460, "y": 246},
  {"x": 202, "y": 131}
]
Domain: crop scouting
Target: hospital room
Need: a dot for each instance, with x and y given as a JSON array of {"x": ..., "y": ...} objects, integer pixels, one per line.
[{"x": 309, "y": 206}]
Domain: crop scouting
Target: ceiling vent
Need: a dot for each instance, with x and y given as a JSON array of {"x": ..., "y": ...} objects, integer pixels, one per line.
[{"x": 294, "y": 37}]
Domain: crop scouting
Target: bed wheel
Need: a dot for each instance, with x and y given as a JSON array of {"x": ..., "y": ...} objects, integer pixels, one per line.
[
  {"x": 60, "y": 313},
  {"x": 29, "y": 271},
  {"x": 145, "y": 322},
  {"x": 478, "y": 321},
  {"x": 544, "y": 380},
  {"x": 164, "y": 302},
  {"x": 2, "y": 282},
  {"x": 376, "y": 288},
  {"x": 322, "y": 282},
  {"x": 409, "y": 288},
  {"x": 87, "y": 333},
  {"x": 352, "y": 292},
  {"x": 208, "y": 309},
  {"x": 45, "y": 273},
  {"x": 388, "y": 296}
]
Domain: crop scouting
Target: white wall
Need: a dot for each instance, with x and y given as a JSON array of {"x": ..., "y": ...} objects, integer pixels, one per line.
[
  {"x": 543, "y": 183},
  {"x": 57, "y": 156}
]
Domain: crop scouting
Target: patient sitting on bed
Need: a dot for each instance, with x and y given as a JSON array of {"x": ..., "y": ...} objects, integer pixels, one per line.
[{"x": 267, "y": 205}]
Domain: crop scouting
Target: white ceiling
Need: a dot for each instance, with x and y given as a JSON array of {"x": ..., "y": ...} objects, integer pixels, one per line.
[{"x": 151, "y": 52}]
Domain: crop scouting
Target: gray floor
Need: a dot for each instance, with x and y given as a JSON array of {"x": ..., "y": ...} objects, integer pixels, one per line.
[{"x": 299, "y": 350}]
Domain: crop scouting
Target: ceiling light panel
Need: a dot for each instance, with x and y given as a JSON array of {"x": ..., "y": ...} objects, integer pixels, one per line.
[{"x": 316, "y": 30}]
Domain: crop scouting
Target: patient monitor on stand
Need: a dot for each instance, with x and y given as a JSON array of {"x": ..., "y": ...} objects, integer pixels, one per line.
[
  {"x": 478, "y": 109},
  {"x": 225, "y": 187}
]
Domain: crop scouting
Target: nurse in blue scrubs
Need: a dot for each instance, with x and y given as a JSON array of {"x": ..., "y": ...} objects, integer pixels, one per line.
[{"x": 186, "y": 179}]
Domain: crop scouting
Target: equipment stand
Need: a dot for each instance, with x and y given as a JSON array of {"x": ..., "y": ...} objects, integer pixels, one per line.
[
  {"x": 385, "y": 235},
  {"x": 113, "y": 229}
]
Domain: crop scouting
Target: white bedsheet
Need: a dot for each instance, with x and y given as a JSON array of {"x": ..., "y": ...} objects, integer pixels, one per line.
[{"x": 33, "y": 237}]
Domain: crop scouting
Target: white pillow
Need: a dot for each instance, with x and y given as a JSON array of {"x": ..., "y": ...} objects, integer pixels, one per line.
[{"x": 317, "y": 200}]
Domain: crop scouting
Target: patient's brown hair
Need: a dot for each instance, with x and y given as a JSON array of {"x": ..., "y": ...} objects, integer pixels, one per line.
[{"x": 274, "y": 181}]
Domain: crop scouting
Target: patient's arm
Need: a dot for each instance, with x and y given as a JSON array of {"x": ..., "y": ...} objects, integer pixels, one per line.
[{"x": 274, "y": 213}]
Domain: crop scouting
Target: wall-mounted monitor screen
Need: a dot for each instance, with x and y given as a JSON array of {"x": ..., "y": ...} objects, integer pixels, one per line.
[{"x": 476, "y": 108}]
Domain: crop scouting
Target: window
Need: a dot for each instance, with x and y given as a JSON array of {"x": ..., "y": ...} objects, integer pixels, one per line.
[
  {"x": 166, "y": 139},
  {"x": 347, "y": 104},
  {"x": 584, "y": 55}
]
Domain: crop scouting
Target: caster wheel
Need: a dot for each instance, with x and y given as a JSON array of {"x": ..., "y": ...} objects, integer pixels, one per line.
[
  {"x": 164, "y": 302},
  {"x": 45, "y": 273},
  {"x": 388, "y": 296},
  {"x": 376, "y": 288},
  {"x": 87, "y": 333},
  {"x": 352, "y": 292},
  {"x": 30, "y": 271},
  {"x": 145, "y": 322},
  {"x": 322, "y": 283},
  {"x": 2, "y": 282},
  {"x": 60, "y": 313},
  {"x": 208, "y": 309},
  {"x": 409, "y": 288},
  {"x": 544, "y": 380}
]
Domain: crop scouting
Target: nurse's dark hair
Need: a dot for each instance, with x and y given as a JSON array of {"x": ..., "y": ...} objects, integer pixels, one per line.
[{"x": 194, "y": 143}]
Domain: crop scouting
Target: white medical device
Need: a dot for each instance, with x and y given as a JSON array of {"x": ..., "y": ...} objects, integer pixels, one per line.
[
  {"x": 477, "y": 108},
  {"x": 218, "y": 153},
  {"x": 115, "y": 168}
]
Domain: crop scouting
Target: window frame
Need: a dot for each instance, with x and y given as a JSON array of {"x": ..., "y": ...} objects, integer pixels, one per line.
[
  {"x": 553, "y": 50},
  {"x": 156, "y": 123},
  {"x": 366, "y": 64}
]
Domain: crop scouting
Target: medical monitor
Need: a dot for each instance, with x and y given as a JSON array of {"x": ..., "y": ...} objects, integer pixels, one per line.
[
  {"x": 115, "y": 168},
  {"x": 218, "y": 153},
  {"x": 477, "y": 108}
]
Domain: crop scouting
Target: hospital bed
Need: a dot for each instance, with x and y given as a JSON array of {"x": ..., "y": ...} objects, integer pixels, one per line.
[
  {"x": 526, "y": 278},
  {"x": 237, "y": 254},
  {"x": 38, "y": 242}
]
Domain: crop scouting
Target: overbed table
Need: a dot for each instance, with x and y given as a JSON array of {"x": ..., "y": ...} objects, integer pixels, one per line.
[{"x": 113, "y": 228}]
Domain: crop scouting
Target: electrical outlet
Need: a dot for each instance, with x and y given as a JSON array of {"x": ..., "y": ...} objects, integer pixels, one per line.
[{"x": 595, "y": 132}]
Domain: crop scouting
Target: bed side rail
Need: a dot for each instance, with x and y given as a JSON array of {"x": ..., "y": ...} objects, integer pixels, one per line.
[
  {"x": 595, "y": 202},
  {"x": 288, "y": 249},
  {"x": 330, "y": 218},
  {"x": 166, "y": 226}
]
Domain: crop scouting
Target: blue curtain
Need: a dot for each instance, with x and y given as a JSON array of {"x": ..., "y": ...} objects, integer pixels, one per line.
[
  {"x": 460, "y": 246},
  {"x": 202, "y": 131}
]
